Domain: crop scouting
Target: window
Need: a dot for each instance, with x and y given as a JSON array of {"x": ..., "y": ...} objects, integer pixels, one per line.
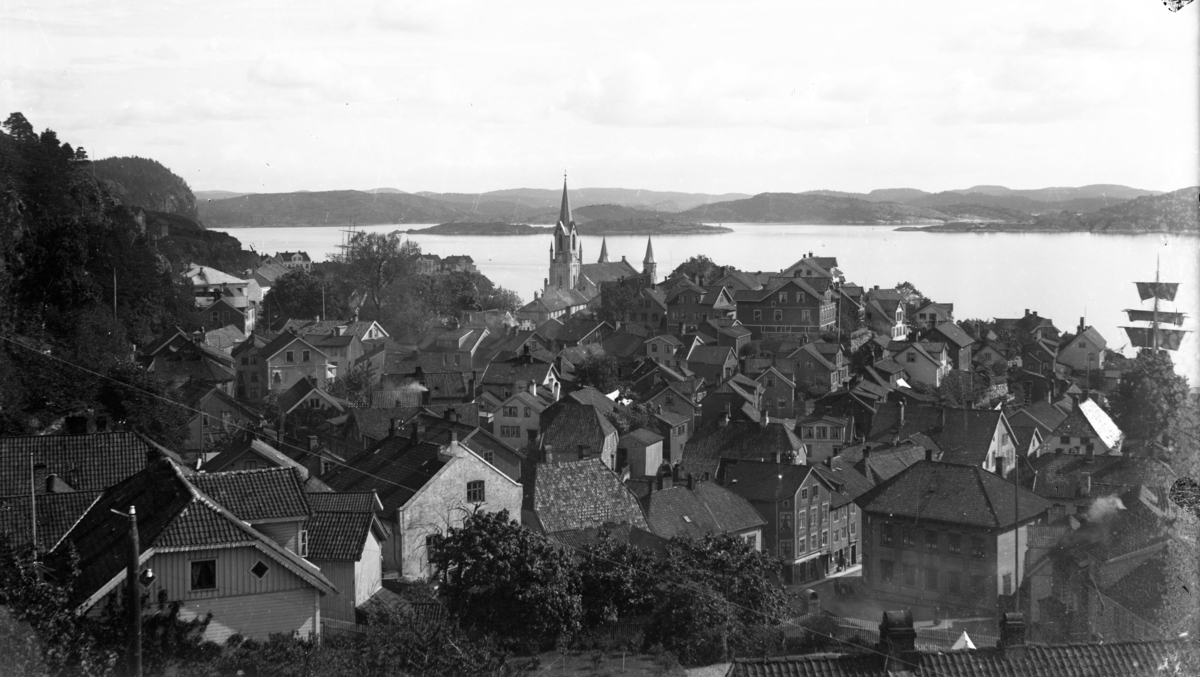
[
  {"x": 259, "y": 569},
  {"x": 250, "y": 464},
  {"x": 1007, "y": 583},
  {"x": 245, "y": 361},
  {"x": 824, "y": 512},
  {"x": 1065, "y": 439},
  {"x": 781, "y": 403},
  {"x": 954, "y": 544},
  {"x": 824, "y": 537},
  {"x": 815, "y": 492},
  {"x": 783, "y": 297},
  {"x": 510, "y": 412},
  {"x": 785, "y": 548},
  {"x": 654, "y": 347},
  {"x": 528, "y": 412},
  {"x": 906, "y": 536},
  {"x": 812, "y": 542},
  {"x": 302, "y": 543},
  {"x": 954, "y": 582},
  {"x": 837, "y": 536},
  {"x": 812, "y": 518},
  {"x": 770, "y": 381},
  {"x": 1005, "y": 439},
  {"x": 489, "y": 455},
  {"x": 977, "y": 548},
  {"x": 852, "y": 525},
  {"x": 822, "y": 432},
  {"x": 835, "y": 433},
  {"x": 326, "y": 465},
  {"x": 475, "y": 491},
  {"x": 804, "y": 494},
  {"x": 808, "y": 432},
  {"x": 802, "y": 521},
  {"x": 785, "y": 522},
  {"x": 289, "y": 356},
  {"x": 204, "y": 574},
  {"x": 885, "y": 534},
  {"x": 757, "y": 315},
  {"x": 886, "y": 572},
  {"x": 910, "y": 574},
  {"x": 787, "y": 503},
  {"x": 977, "y": 587},
  {"x": 510, "y": 431},
  {"x": 931, "y": 540},
  {"x": 931, "y": 576},
  {"x": 778, "y": 315},
  {"x": 911, "y": 357}
]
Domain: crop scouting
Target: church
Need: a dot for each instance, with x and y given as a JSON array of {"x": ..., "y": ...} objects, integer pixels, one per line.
[{"x": 569, "y": 273}]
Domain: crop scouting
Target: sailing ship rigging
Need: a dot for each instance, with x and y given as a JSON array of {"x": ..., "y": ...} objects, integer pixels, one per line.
[{"x": 1156, "y": 337}]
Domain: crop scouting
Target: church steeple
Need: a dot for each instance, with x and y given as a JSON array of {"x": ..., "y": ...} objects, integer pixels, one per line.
[
  {"x": 649, "y": 267},
  {"x": 603, "y": 250},
  {"x": 564, "y": 212}
]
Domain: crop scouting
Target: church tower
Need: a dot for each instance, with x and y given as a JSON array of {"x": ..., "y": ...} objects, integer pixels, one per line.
[
  {"x": 649, "y": 267},
  {"x": 566, "y": 251},
  {"x": 603, "y": 250}
]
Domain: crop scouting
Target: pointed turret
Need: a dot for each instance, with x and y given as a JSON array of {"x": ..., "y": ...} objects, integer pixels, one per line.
[
  {"x": 649, "y": 267},
  {"x": 564, "y": 212},
  {"x": 603, "y": 250}
]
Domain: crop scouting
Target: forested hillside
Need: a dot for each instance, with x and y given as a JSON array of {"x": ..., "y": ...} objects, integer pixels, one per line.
[{"x": 137, "y": 181}]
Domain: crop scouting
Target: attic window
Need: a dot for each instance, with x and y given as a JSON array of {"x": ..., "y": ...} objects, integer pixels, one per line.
[
  {"x": 687, "y": 519},
  {"x": 259, "y": 569}
]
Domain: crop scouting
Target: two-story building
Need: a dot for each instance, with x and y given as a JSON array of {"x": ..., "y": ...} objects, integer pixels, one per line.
[
  {"x": 295, "y": 260},
  {"x": 713, "y": 363},
  {"x": 825, "y": 436},
  {"x": 794, "y": 307},
  {"x": 947, "y": 539},
  {"x": 957, "y": 342},
  {"x": 1084, "y": 350},
  {"x": 1087, "y": 431},
  {"x": 689, "y": 305},
  {"x": 210, "y": 285},
  {"x": 932, "y": 314},
  {"x": 779, "y": 393},
  {"x": 923, "y": 362},
  {"x": 289, "y": 358},
  {"x": 517, "y": 421},
  {"x": 885, "y": 313}
]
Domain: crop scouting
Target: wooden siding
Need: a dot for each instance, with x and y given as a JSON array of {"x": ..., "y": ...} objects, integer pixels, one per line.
[
  {"x": 368, "y": 571},
  {"x": 259, "y": 616},
  {"x": 280, "y": 601},
  {"x": 339, "y": 607},
  {"x": 283, "y": 533}
]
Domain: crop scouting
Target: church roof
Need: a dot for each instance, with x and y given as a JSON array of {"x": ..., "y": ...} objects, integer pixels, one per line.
[
  {"x": 603, "y": 250},
  {"x": 564, "y": 212},
  {"x": 649, "y": 252}
]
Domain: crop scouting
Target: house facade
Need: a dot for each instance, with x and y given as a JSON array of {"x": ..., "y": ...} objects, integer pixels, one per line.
[{"x": 795, "y": 307}]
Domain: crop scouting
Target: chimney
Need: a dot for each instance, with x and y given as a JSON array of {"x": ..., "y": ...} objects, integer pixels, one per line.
[
  {"x": 675, "y": 471},
  {"x": 691, "y": 482},
  {"x": 1012, "y": 635},
  {"x": 866, "y": 454},
  {"x": 829, "y": 462},
  {"x": 1089, "y": 455},
  {"x": 1085, "y": 485},
  {"x": 339, "y": 330},
  {"x": 765, "y": 419},
  {"x": 51, "y": 480},
  {"x": 929, "y": 454},
  {"x": 1026, "y": 312},
  {"x": 418, "y": 431},
  {"x": 898, "y": 639},
  {"x": 1081, "y": 327},
  {"x": 312, "y": 443},
  {"x": 901, "y": 413},
  {"x": 657, "y": 483},
  {"x": 942, "y": 417}
]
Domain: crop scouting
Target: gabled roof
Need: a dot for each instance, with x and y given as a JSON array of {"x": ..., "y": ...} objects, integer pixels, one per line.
[
  {"x": 743, "y": 440},
  {"x": 568, "y": 426},
  {"x": 555, "y": 299},
  {"x": 1089, "y": 333},
  {"x": 173, "y": 515},
  {"x": 340, "y": 524},
  {"x": 358, "y": 328},
  {"x": 772, "y": 371},
  {"x": 208, "y": 276},
  {"x": 92, "y": 462},
  {"x": 954, "y": 494},
  {"x": 56, "y": 514},
  {"x": 641, "y": 436},
  {"x": 283, "y": 340},
  {"x": 1043, "y": 414},
  {"x": 256, "y": 495},
  {"x": 765, "y": 293},
  {"x": 300, "y": 390},
  {"x": 396, "y": 468},
  {"x": 578, "y": 495},
  {"x": 521, "y": 368},
  {"x": 694, "y": 513},
  {"x": 764, "y": 480},
  {"x": 225, "y": 338},
  {"x": 1089, "y": 420},
  {"x": 953, "y": 334},
  {"x": 269, "y": 454},
  {"x": 613, "y": 271},
  {"x": 812, "y": 351},
  {"x": 712, "y": 355}
]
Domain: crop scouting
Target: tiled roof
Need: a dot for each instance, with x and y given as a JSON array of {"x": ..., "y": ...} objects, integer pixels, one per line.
[
  {"x": 954, "y": 494},
  {"x": 517, "y": 369},
  {"x": 555, "y": 299},
  {"x": 580, "y": 494},
  {"x": 764, "y": 481},
  {"x": 693, "y": 513},
  {"x": 567, "y": 426},
  {"x": 576, "y": 329},
  {"x": 224, "y": 338},
  {"x": 209, "y": 276},
  {"x": 338, "y": 536},
  {"x": 622, "y": 344},
  {"x": 268, "y": 453},
  {"x": 1110, "y": 659},
  {"x": 56, "y": 513},
  {"x": 253, "y": 495},
  {"x": 395, "y": 469},
  {"x": 85, "y": 462},
  {"x": 1043, "y": 414},
  {"x": 716, "y": 355},
  {"x": 283, "y": 340},
  {"x": 172, "y": 513},
  {"x": 580, "y": 539},
  {"x": 642, "y": 436},
  {"x": 743, "y": 440},
  {"x": 328, "y": 327},
  {"x": 293, "y": 396},
  {"x": 344, "y": 501},
  {"x": 812, "y": 351}
]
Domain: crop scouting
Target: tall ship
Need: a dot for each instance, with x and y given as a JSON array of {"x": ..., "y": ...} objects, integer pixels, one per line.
[{"x": 1158, "y": 335}]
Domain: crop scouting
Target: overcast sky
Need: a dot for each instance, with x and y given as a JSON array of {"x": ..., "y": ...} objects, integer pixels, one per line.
[{"x": 270, "y": 96}]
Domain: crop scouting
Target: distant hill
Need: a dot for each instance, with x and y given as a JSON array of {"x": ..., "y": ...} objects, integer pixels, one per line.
[
  {"x": 204, "y": 195},
  {"x": 823, "y": 209},
  {"x": 1099, "y": 191},
  {"x": 383, "y": 190},
  {"x": 591, "y": 220},
  {"x": 974, "y": 212},
  {"x": 1177, "y": 211},
  {"x": 902, "y": 195},
  {"x": 332, "y": 208},
  {"x": 146, "y": 183},
  {"x": 1013, "y": 201},
  {"x": 541, "y": 198}
]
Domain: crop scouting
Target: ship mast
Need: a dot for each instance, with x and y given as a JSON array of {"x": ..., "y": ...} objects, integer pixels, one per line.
[{"x": 1154, "y": 322}]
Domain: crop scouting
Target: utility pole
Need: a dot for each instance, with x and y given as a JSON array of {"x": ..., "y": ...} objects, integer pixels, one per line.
[
  {"x": 114, "y": 291},
  {"x": 33, "y": 503},
  {"x": 133, "y": 580}
]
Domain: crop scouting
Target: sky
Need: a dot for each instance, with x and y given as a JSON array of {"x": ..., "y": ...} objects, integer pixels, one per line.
[{"x": 277, "y": 96}]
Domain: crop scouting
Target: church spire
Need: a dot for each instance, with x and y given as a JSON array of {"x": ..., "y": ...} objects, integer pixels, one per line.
[
  {"x": 564, "y": 212},
  {"x": 603, "y": 250},
  {"x": 649, "y": 252},
  {"x": 649, "y": 267}
]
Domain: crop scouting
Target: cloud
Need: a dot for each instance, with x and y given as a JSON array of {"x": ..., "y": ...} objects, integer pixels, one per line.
[
  {"x": 639, "y": 91},
  {"x": 199, "y": 106},
  {"x": 408, "y": 16},
  {"x": 309, "y": 76}
]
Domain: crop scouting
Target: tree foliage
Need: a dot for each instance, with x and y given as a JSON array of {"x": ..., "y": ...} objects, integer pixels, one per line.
[
  {"x": 300, "y": 294},
  {"x": 702, "y": 268},
  {"x": 599, "y": 371},
  {"x": 354, "y": 385},
  {"x": 376, "y": 261},
  {"x": 911, "y": 296},
  {"x": 1151, "y": 397},
  {"x": 617, "y": 301},
  {"x": 139, "y": 401},
  {"x": 501, "y": 578}
]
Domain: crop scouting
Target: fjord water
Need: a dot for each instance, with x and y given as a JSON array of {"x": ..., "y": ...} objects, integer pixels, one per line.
[{"x": 1063, "y": 276}]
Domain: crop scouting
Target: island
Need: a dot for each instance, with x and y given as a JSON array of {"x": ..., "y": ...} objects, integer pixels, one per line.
[{"x": 632, "y": 226}]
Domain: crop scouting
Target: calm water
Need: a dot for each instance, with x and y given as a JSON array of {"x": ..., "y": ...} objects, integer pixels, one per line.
[{"x": 1062, "y": 276}]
